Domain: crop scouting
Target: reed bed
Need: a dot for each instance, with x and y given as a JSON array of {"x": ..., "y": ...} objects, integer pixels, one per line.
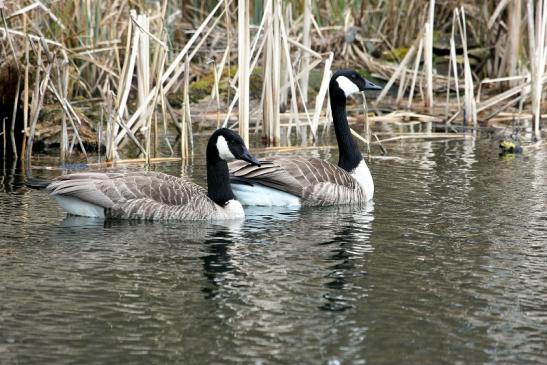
[{"x": 122, "y": 73}]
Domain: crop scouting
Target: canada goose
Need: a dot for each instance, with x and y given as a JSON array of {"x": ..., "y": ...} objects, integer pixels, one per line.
[
  {"x": 297, "y": 181},
  {"x": 154, "y": 195}
]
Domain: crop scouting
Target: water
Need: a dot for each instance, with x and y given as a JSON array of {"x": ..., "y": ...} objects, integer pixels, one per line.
[{"x": 448, "y": 266}]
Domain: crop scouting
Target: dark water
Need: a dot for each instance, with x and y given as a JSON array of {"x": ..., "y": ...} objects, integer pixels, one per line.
[{"x": 448, "y": 266}]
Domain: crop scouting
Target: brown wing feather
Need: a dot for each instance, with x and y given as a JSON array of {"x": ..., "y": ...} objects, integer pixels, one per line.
[
  {"x": 316, "y": 181},
  {"x": 149, "y": 195}
]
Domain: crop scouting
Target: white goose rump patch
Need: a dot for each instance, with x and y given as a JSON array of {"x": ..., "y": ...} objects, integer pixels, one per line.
[{"x": 79, "y": 207}]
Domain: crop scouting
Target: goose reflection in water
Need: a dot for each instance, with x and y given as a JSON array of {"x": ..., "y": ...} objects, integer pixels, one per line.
[
  {"x": 221, "y": 245},
  {"x": 260, "y": 272},
  {"x": 349, "y": 245}
]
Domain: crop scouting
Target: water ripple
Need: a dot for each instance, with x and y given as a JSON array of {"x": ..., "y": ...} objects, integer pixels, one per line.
[{"x": 447, "y": 265}]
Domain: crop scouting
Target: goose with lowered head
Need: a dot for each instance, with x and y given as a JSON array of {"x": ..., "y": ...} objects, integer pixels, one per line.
[
  {"x": 154, "y": 195},
  {"x": 300, "y": 181}
]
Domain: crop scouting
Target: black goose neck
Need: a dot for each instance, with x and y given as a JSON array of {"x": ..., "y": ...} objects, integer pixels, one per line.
[
  {"x": 350, "y": 156},
  {"x": 218, "y": 177}
]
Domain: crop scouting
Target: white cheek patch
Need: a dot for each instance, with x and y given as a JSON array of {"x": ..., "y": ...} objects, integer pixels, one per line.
[
  {"x": 223, "y": 149},
  {"x": 347, "y": 86}
]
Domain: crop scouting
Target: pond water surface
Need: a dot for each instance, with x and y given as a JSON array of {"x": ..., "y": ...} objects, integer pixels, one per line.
[{"x": 449, "y": 265}]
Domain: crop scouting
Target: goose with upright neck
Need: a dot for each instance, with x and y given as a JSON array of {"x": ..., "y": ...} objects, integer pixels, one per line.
[
  {"x": 154, "y": 195},
  {"x": 343, "y": 84},
  {"x": 296, "y": 181}
]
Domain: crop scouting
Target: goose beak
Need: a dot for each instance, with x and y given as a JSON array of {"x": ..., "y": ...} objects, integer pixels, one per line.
[
  {"x": 371, "y": 86},
  {"x": 246, "y": 156}
]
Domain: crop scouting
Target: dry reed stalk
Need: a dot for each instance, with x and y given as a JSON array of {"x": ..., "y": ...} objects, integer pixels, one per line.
[
  {"x": 71, "y": 114},
  {"x": 286, "y": 49},
  {"x": 11, "y": 44},
  {"x": 283, "y": 67},
  {"x": 34, "y": 108},
  {"x": 306, "y": 113},
  {"x": 276, "y": 74},
  {"x": 358, "y": 136},
  {"x": 323, "y": 89},
  {"x": 205, "y": 37},
  {"x": 267, "y": 96},
  {"x": 300, "y": 75},
  {"x": 159, "y": 57},
  {"x": 367, "y": 126},
  {"x": 3, "y": 133},
  {"x": 147, "y": 96},
  {"x": 300, "y": 46},
  {"x": 428, "y": 54},
  {"x": 382, "y": 148},
  {"x": 253, "y": 64},
  {"x": 398, "y": 70},
  {"x": 25, "y": 92},
  {"x": 537, "y": 29},
  {"x": 64, "y": 87},
  {"x": 220, "y": 68},
  {"x": 35, "y": 111},
  {"x": 62, "y": 94},
  {"x": 143, "y": 76},
  {"x": 215, "y": 90},
  {"x": 164, "y": 112},
  {"x": 124, "y": 87},
  {"x": 498, "y": 80},
  {"x": 187, "y": 103},
  {"x": 306, "y": 42},
  {"x": 502, "y": 108},
  {"x": 186, "y": 123},
  {"x": 13, "y": 117},
  {"x": 415, "y": 74},
  {"x": 508, "y": 53},
  {"x": 453, "y": 61},
  {"x": 470, "y": 110},
  {"x": 497, "y": 12},
  {"x": 428, "y": 136},
  {"x": 515, "y": 34},
  {"x": 6, "y": 32},
  {"x": 109, "y": 111},
  {"x": 65, "y": 104},
  {"x": 243, "y": 69},
  {"x": 272, "y": 72},
  {"x": 254, "y": 53},
  {"x": 402, "y": 87},
  {"x": 328, "y": 118},
  {"x": 175, "y": 69},
  {"x": 170, "y": 76},
  {"x": 524, "y": 89}
]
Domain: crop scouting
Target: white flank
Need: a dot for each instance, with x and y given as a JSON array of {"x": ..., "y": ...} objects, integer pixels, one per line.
[
  {"x": 233, "y": 210},
  {"x": 362, "y": 174},
  {"x": 261, "y": 195},
  {"x": 347, "y": 85},
  {"x": 223, "y": 149},
  {"x": 79, "y": 207}
]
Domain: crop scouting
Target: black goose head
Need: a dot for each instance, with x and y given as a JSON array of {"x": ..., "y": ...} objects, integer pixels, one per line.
[
  {"x": 344, "y": 83},
  {"x": 224, "y": 145},
  {"x": 227, "y": 145}
]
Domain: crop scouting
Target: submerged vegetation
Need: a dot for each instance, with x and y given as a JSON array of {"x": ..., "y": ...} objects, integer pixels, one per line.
[{"x": 116, "y": 76}]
